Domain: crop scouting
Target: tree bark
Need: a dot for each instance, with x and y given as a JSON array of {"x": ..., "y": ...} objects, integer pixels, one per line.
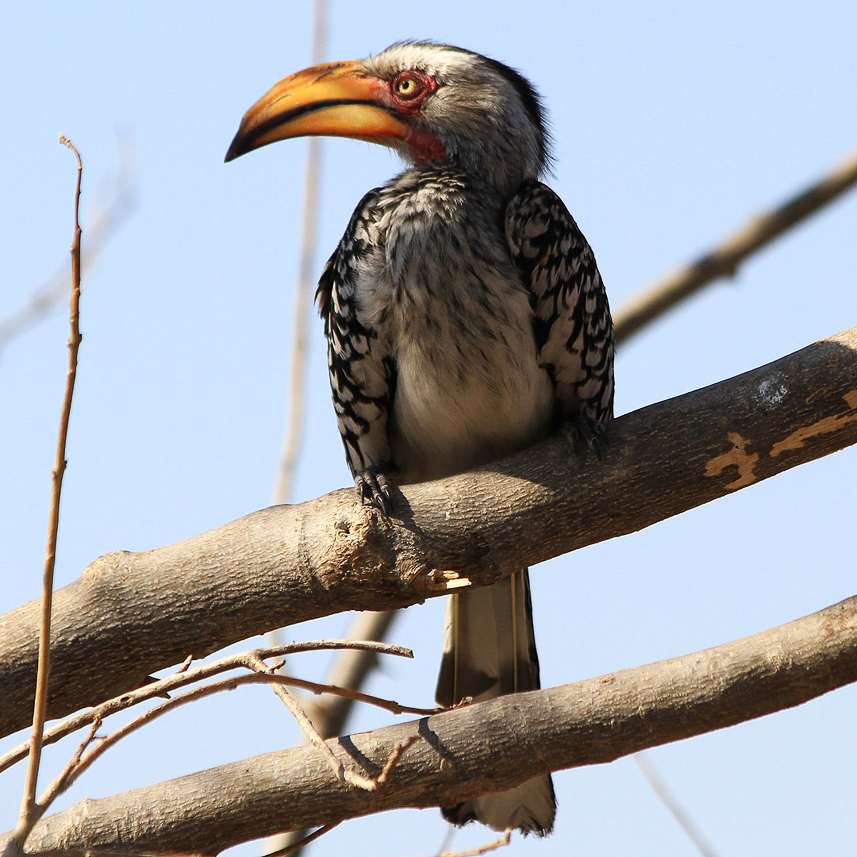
[
  {"x": 472, "y": 750},
  {"x": 130, "y": 614}
]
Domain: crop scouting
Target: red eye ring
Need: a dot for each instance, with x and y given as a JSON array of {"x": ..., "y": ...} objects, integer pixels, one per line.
[{"x": 407, "y": 86}]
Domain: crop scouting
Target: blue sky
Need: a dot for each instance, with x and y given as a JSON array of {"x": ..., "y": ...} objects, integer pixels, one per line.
[{"x": 673, "y": 123}]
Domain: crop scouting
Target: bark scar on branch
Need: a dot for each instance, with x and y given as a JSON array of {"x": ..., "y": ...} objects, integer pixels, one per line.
[
  {"x": 823, "y": 426},
  {"x": 736, "y": 457}
]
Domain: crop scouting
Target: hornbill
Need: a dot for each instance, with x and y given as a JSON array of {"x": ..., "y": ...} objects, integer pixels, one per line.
[{"x": 465, "y": 319}]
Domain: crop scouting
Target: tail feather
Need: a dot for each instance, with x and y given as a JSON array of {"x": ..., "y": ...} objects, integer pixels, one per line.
[{"x": 490, "y": 650}]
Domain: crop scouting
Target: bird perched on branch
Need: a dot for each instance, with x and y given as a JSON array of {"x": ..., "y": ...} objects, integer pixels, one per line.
[{"x": 465, "y": 318}]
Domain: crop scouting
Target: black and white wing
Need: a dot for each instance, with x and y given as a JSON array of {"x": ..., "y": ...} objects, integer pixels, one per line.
[
  {"x": 362, "y": 372},
  {"x": 572, "y": 322}
]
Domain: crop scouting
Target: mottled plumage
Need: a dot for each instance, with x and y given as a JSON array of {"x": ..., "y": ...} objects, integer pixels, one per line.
[{"x": 466, "y": 319}]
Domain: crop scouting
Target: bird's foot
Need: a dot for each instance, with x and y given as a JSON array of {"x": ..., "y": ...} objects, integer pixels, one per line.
[
  {"x": 582, "y": 427},
  {"x": 374, "y": 489}
]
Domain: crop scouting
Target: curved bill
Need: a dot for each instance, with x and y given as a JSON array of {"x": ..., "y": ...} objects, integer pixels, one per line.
[{"x": 335, "y": 99}]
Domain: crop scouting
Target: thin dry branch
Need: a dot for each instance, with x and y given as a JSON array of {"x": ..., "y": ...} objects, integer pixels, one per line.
[
  {"x": 724, "y": 259},
  {"x": 330, "y": 713},
  {"x": 71, "y": 771},
  {"x": 675, "y": 809},
  {"x": 84, "y": 757},
  {"x": 86, "y": 754},
  {"x": 482, "y": 849},
  {"x": 349, "y": 669},
  {"x": 346, "y": 773},
  {"x": 30, "y": 811},
  {"x": 185, "y": 676},
  {"x": 287, "y": 564},
  {"x": 474, "y": 749},
  {"x": 339, "y": 769},
  {"x": 304, "y": 288},
  {"x": 292, "y": 847}
]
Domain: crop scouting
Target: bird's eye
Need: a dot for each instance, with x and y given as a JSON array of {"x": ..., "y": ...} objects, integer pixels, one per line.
[{"x": 408, "y": 86}]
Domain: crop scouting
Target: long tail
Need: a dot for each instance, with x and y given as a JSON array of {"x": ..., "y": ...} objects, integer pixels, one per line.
[{"x": 489, "y": 650}]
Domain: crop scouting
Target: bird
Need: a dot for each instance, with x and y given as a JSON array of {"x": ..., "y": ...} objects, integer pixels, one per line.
[{"x": 465, "y": 319}]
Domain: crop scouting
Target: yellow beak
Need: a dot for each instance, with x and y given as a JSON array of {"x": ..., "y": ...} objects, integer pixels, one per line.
[{"x": 336, "y": 99}]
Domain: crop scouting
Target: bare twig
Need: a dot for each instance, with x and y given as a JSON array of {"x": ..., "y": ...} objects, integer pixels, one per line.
[
  {"x": 330, "y": 713},
  {"x": 393, "y": 759},
  {"x": 294, "y": 841},
  {"x": 184, "y": 676},
  {"x": 448, "y": 836},
  {"x": 343, "y": 773},
  {"x": 296, "y": 846},
  {"x": 482, "y": 849},
  {"x": 30, "y": 812},
  {"x": 356, "y": 696},
  {"x": 659, "y": 787},
  {"x": 303, "y": 721},
  {"x": 724, "y": 259},
  {"x": 72, "y": 769},
  {"x": 349, "y": 669},
  {"x": 110, "y": 208},
  {"x": 82, "y": 759},
  {"x": 262, "y": 673},
  {"x": 80, "y": 763},
  {"x": 303, "y": 288}
]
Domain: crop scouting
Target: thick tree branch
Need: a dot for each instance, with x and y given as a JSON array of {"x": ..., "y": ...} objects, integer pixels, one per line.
[
  {"x": 472, "y": 750},
  {"x": 286, "y": 564}
]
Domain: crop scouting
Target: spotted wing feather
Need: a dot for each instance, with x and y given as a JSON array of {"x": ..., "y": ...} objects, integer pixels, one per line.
[
  {"x": 572, "y": 322},
  {"x": 362, "y": 371}
]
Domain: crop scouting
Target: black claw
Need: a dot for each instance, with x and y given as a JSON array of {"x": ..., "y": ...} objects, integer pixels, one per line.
[
  {"x": 374, "y": 489},
  {"x": 590, "y": 431}
]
